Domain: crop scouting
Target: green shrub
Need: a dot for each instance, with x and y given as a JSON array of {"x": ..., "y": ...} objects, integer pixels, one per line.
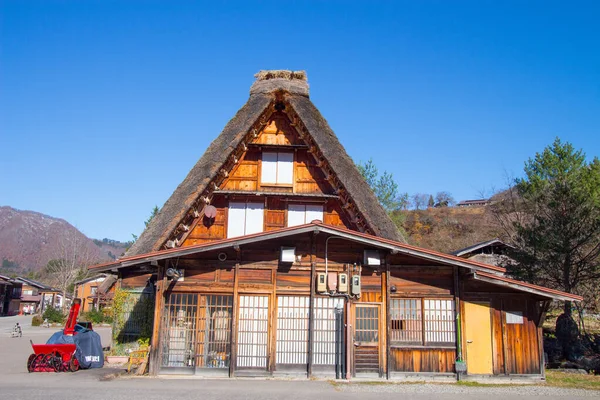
[
  {"x": 94, "y": 316},
  {"x": 37, "y": 320},
  {"x": 53, "y": 315}
]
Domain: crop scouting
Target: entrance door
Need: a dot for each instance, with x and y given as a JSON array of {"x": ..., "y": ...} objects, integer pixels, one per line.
[
  {"x": 177, "y": 333},
  {"x": 366, "y": 339},
  {"x": 253, "y": 324},
  {"x": 478, "y": 335}
]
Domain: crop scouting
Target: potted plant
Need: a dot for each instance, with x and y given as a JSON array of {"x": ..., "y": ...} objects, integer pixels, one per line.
[{"x": 117, "y": 354}]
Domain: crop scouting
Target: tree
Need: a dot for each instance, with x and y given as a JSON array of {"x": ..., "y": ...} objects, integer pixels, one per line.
[
  {"x": 552, "y": 218},
  {"x": 71, "y": 259},
  {"x": 443, "y": 199},
  {"x": 419, "y": 200},
  {"x": 153, "y": 214},
  {"x": 384, "y": 187},
  {"x": 430, "y": 203},
  {"x": 386, "y": 190}
]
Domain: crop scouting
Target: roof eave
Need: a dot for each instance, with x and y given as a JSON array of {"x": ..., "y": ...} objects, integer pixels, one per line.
[{"x": 525, "y": 287}]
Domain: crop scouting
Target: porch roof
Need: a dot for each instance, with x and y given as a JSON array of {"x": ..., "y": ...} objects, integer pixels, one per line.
[{"x": 492, "y": 274}]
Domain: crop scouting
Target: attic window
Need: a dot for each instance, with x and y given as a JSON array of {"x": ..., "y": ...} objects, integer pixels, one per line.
[{"x": 277, "y": 168}]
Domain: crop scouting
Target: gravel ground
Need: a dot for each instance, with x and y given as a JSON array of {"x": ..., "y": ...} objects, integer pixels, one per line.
[{"x": 430, "y": 388}]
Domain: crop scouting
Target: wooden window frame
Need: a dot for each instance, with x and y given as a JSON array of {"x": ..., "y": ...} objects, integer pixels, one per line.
[
  {"x": 287, "y": 222},
  {"x": 429, "y": 327},
  {"x": 277, "y": 182},
  {"x": 230, "y": 221}
]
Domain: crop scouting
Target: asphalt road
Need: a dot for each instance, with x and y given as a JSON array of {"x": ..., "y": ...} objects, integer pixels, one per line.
[{"x": 16, "y": 383}]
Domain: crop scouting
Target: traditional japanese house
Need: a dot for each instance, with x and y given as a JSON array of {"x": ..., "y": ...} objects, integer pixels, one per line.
[
  {"x": 95, "y": 292},
  {"x": 273, "y": 257}
]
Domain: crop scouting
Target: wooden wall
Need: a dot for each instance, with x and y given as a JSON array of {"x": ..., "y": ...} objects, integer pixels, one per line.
[
  {"x": 422, "y": 360},
  {"x": 515, "y": 347}
]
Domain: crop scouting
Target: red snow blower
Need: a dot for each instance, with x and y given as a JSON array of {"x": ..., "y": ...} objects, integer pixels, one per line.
[{"x": 57, "y": 357}]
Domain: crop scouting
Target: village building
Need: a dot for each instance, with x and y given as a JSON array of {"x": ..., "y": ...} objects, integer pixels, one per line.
[
  {"x": 493, "y": 252},
  {"x": 10, "y": 296},
  {"x": 274, "y": 258},
  {"x": 95, "y": 292},
  {"x": 37, "y": 296}
]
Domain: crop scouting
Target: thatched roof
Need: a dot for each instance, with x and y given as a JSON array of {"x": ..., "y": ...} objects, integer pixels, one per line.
[{"x": 262, "y": 93}]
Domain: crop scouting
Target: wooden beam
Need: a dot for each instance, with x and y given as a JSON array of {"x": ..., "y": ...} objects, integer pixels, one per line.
[
  {"x": 388, "y": 320},
  {"x": 155, "y": 356},
  {"x": 234, "y": 322},
  {"x": 311, "y": 318}
]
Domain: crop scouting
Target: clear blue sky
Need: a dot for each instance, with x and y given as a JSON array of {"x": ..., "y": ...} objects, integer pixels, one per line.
[{"x": 105, "y": 106}]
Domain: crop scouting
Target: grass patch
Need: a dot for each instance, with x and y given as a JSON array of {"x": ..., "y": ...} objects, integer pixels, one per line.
[{"x": 573, "y": 381}]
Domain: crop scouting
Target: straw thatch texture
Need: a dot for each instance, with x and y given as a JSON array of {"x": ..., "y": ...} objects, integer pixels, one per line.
[
  {"x": 344, "y": 168},
  {"x": 199, "y": 177},
  {"x": 205, "y": 170}
]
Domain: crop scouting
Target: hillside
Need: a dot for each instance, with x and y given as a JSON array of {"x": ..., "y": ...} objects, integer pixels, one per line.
[
  {"x": 447, "y": 229},
  {"x": 28, "y": 240}
]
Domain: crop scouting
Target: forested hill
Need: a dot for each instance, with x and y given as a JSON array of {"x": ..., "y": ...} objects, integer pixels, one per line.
[
  {"x": 28, "y": 240},
  {"x": 447, "y": 229}
]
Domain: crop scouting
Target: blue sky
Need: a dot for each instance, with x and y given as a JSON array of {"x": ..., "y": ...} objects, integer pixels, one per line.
[{"x": 106, "y": 105}]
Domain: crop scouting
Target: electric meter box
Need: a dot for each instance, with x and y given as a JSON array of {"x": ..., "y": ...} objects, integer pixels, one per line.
[
  {"x": 355, "y": 289},
  {"x": 321, "y": 282},
  {"x": 343, "y": 283}
]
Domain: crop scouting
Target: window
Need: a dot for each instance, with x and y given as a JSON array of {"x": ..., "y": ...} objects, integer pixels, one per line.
[
  {"x": 277, "y": 168},
  {"x": 300, "y": 214},
  {"x": 514, "y": 317},
  {"x": 94, "y": 290},
  {"x": 244, "y": 218},
  {"x": 422, "y": 322}
]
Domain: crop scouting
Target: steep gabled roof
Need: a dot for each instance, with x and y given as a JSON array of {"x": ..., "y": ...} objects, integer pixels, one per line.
[
  {"x": 292, "y": 88},
  {"x": 39, "y": 285}
]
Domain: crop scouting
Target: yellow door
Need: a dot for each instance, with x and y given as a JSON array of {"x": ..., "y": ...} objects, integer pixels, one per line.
[{"x": 478, "y": 335}]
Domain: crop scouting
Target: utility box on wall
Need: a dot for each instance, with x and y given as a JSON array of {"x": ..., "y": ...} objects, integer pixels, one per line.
[
  {"x": 321, "y": 282},
  {"x": 343, "y": 283},
  {"x": 355, "y": 289}
]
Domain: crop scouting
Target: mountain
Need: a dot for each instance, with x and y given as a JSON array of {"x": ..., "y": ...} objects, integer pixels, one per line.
[{"x": 28, "y": 240}]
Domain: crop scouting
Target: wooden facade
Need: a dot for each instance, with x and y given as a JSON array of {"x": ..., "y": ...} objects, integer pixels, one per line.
[
  {"x": 239, "y": 311},
  {"x": 273, "y": 257}
]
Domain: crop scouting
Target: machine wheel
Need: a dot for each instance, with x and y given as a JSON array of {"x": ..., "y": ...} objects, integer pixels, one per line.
[
  {"x": 37, "y": 362},
  {"x": 30, "y": 363},
  {"x": 73, "y": 364},
  {"x": 49, "y": 363}
]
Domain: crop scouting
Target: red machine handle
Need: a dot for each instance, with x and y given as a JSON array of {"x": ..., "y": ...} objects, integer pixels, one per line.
[{"x": 72, "y": 320}]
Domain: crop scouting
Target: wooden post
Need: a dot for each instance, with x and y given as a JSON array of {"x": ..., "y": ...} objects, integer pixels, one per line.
[
  {"x": 388, "y": 321},
  {"x": 311, "y": 302},
  {"x": 154, "y": 356},
  {"x": 234, "y": 322},
  {"x": 272, "y": 330},
  {"x": 543, "y": 308},
  {"x": 504, "y": 339}
]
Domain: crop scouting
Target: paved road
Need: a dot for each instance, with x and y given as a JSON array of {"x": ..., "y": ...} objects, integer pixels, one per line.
[{"x": 16, "y": 383}]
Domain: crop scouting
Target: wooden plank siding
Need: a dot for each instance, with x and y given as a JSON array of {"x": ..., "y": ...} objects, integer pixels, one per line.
[
  {"x": 255, "y": 270},
  {"x": 422, "y": 360},
  {"x": 244, "y": 176}
]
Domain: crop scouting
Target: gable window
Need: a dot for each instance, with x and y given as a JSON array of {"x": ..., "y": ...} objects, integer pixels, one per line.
[
  {"x": 300, "y": 214},
  {"x": 244, "y": 218},
  {"x": 422, "y": 322},
  {"x": 277, "y": 168}
]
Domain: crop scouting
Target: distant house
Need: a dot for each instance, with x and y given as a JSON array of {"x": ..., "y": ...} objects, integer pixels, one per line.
[
  {"x": 95, "y": 292},
  {"x": 493, "y": 252},
  {"x": 10, "y": 296},
  {"x": 38, "y": 295},
  {"x": 473, "y": 203}
]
